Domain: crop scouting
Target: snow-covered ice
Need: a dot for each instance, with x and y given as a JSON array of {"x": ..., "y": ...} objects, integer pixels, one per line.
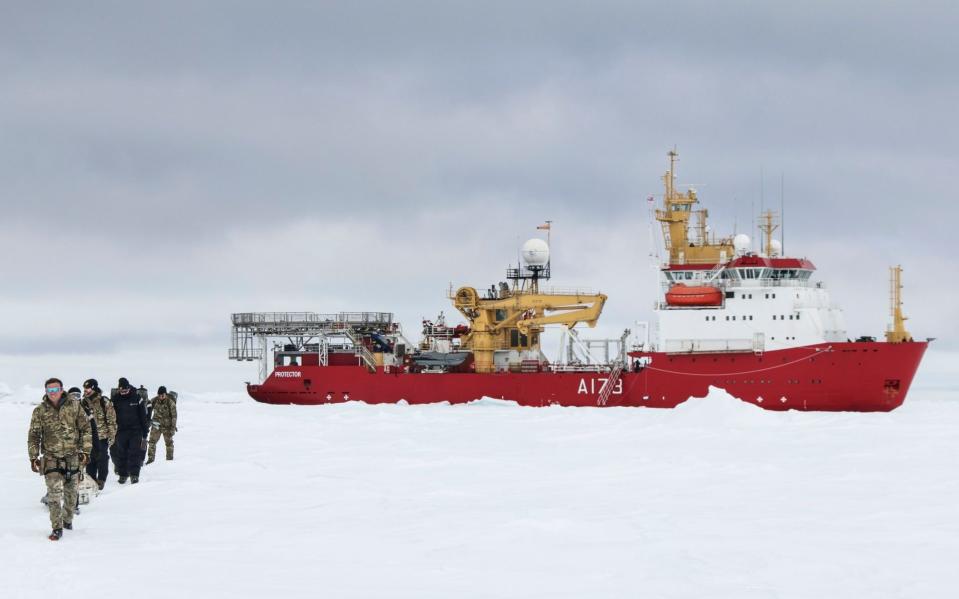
[{"x": 714, "y": 499}]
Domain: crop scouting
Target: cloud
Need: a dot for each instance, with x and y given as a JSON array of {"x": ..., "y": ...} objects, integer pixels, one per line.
[{"x": 163, "y": 166}]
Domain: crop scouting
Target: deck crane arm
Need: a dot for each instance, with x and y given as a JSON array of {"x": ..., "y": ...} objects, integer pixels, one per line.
[{"x": 568, "y": 310}]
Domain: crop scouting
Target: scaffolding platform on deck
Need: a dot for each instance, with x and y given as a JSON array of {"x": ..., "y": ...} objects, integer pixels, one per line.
[{"x": 301, "y": 332}]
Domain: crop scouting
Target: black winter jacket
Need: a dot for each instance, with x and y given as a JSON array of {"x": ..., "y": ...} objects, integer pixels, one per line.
[{"x": 131, "y": 412}]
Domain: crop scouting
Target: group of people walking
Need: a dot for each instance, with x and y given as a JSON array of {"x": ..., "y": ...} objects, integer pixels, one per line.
[{"x": 81, "y": 429}]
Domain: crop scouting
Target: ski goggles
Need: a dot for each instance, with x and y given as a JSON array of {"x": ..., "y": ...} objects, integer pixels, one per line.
[{"x": 54, "y": 389}]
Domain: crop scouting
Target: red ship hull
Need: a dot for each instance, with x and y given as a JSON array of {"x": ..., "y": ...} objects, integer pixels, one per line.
[{"x": 862, "y": 377}]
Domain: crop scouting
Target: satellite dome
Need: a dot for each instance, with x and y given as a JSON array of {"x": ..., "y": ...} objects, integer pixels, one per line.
[
  {"x": 775, "y": 247},
  {"x": 535, "y": 252},
  {"x": 742, "y": 243}
]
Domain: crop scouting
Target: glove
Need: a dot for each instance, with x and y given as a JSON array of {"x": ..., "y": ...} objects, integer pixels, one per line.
[
  {"x": 84, "y": 458},
  {"x": 113, "y": 441},
  {"x": 143, "y": 444},
  {"x": 35, "y": 465}
]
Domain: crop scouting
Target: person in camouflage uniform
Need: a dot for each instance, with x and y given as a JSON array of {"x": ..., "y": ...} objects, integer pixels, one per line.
[
  {"x": 59, "y": 443},
  {"x": 163, "y": 411},
  {"x": 104, "y": 422}
]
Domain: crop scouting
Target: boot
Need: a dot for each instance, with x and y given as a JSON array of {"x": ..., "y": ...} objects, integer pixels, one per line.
[
  {"x": 56, "y": 534},
  {"x": 68, "y": 525},
  {"x": 100, "y": 484},
  {"x": 151, "y": 459},
  {"x": 122, "y": 480},
  {"x": 134, "y": 479},
  {"x": 169, "y": 457}
]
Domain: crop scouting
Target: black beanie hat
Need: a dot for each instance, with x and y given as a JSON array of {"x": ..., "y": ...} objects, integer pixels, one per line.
[
  {"x": 91, "y": 384},
  {"x": 161, "y": 390},
  {"x": 123, "y": 383},
  {"x": 73, "y": 390}
]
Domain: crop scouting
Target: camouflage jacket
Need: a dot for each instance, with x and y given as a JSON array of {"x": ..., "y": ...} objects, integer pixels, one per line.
[
  {"x": 58, "y": 431},
  {"x": 164, "y": 412},
  {"x": 102, "y": 412}
]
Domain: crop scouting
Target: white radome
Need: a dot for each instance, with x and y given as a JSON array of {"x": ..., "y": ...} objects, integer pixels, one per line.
[
  {"x": 535, "y": 252},
  {"x": 775, "y": 247},
  {"x": 741, "y": 242}
]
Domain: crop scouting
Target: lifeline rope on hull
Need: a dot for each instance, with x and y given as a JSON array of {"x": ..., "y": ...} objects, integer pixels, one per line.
[{"x": 783, "y": 365}]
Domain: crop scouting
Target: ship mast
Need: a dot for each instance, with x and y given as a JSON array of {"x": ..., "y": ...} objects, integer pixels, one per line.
[
  {"x": 897, "y": 332},
  {"x": 767, "y": 226},
  {"x": 674, "y": 218}
]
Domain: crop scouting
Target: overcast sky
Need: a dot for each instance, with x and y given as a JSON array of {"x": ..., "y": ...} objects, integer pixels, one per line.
[{"x": 164, "y": 165}]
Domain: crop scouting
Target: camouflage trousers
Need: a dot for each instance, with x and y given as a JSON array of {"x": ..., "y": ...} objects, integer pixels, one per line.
[
  {"x": 61, "y": 476},
  {"x": 167, "y": 440}
]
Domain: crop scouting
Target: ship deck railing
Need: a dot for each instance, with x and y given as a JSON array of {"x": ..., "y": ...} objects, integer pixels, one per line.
[
  {"x": 581, "y": 367},
  {"x": 714, "y": 346},
  {"x": 310, "y": 320},
  {"x": 666, "y": 285},
  {"x": 567, "y": 291}
]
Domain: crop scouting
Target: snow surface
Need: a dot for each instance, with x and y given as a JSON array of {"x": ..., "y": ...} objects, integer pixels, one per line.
[{"x": 714, "y": 499}]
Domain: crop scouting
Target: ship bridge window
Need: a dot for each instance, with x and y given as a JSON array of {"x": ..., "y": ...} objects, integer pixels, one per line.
[
  {"x": 731, "y": 274},
  {"x": 785, "y": 274}
]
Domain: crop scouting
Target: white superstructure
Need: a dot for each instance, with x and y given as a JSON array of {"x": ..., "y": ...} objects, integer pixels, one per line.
[{"x": 767, "y": 304}]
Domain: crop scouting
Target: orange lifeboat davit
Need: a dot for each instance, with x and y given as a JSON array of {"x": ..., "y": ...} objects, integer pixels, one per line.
[{"x": 703, "y": 295}]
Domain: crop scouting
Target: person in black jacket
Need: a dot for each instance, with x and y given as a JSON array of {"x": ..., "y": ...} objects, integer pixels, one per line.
[{"x": 132, "y": 428}]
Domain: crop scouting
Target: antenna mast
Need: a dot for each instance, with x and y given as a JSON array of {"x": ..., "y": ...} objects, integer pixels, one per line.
[
  {"x": 782, "y": 213},
  {"x": 762, "y": 200}
]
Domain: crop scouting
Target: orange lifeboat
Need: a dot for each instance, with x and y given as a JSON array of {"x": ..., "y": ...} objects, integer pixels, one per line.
[{"x": 704, "y": 295}]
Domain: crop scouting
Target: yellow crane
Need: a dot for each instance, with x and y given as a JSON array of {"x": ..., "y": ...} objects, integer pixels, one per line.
[{"x": 514, "y": 318}]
